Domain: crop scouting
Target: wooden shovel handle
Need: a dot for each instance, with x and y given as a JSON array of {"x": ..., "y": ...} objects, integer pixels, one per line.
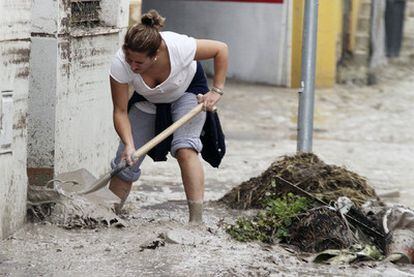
[{"x": 167, "y": 132}]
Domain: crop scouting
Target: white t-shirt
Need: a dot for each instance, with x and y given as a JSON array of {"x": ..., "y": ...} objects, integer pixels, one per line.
[{"x": 181, "y": 50}]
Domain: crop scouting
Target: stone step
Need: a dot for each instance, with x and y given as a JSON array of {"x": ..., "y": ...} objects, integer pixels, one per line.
[
  {"x": 362, "y": 43},
  {"x": 362, "y": 34},
  {"x": 357, "y": 74},
  {"x": 410, "y": 9},
  {"x": 360, "y": 57},
  {"x": 409, "y": 26},
  {"x": 408, "y": 43},
  {"x": 365, "y": 9},
  {"x": 407, "y": 54},
  {"x": 364, "y": 24}
]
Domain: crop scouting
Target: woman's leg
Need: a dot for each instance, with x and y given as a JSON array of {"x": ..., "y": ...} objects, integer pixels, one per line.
[
  {"x": 142, "y": 125},
  {"x": 192, "y": 174},
  {"x": 185, "y": 147}
]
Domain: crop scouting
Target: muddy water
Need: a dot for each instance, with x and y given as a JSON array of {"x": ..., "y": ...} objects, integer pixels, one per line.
[{"x": 366, "y": 129}]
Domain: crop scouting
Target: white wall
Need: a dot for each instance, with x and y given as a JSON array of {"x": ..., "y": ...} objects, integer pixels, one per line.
[
  {"x": 14, "y": 84},
  {"x": 256, "y": 34},
  {"x": 42, "y": 102},
  {"x": 84, "y": 132},
  {"x": 70, "y": 110}
]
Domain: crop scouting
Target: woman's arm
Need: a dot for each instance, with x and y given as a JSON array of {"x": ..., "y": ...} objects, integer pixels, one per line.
[
  {"x": 120, "y": 116},
  {"x": 211, "y": 49}
]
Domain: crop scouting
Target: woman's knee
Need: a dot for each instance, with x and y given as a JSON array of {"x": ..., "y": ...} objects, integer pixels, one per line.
[
  {"x": 193, "y": 144},
  {"x": 185, "y": 154}
]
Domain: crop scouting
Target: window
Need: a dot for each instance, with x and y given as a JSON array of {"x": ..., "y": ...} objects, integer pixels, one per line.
[{"x": 85, "y": 12}]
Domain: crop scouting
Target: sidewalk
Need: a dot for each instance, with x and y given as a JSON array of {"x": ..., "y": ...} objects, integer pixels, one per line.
[{"x": 369, "y": 130}]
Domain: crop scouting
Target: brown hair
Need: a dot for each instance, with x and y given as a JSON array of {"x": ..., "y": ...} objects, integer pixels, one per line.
[{"x": 145, "y": 37}]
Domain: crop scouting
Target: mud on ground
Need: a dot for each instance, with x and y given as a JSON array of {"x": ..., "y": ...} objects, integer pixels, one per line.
[{"x": 48, "y": 250}]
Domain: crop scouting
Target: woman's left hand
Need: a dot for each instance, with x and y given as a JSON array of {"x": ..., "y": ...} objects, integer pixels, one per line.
[{"x": 209, "y": 99}]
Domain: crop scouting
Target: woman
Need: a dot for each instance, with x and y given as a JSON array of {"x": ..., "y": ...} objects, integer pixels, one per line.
[{"x": 162, "y": 67}]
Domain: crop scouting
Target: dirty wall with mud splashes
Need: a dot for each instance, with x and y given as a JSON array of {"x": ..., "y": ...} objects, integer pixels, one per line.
[
  {"x": 71, "y": 111},
  {"x": 14, "y": 89}
]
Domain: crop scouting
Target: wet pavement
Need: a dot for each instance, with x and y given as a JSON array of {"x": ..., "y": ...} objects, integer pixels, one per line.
[{"x": 367, "y": 129}]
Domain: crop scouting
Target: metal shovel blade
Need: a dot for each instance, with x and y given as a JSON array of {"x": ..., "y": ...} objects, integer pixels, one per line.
[{"x": 104, "y": 179}]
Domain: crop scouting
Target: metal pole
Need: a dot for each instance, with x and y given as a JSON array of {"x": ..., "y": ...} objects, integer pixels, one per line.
[{"x": 306, "y": 95}]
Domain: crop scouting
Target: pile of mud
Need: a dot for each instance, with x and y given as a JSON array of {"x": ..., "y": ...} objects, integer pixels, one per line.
[
  {"x": 58, "y": 203},
  {"x": 306, "y": 171}
]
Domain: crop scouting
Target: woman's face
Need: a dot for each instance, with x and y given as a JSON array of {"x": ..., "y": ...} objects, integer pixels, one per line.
[{"x": 139, "y": 62}]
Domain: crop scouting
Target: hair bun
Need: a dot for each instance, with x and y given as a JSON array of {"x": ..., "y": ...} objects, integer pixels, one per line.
[
  {"x": 148, "y": 21},
  {"x": 153, "y": 19}
]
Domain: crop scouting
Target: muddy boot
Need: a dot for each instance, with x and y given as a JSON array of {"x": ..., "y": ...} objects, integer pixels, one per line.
[
  {"x": 118, "y": 206},
  {"x": 196, "y": 211}
]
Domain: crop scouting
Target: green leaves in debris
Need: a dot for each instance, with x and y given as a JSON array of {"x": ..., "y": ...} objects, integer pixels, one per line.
[{"x": 272, "y": 223}]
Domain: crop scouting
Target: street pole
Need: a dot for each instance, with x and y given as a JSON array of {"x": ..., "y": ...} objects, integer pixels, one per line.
[{"x": 307, "y": 93}]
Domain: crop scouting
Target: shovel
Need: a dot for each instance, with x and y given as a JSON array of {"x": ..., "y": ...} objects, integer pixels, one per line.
[{"x": 102, "y": 181}]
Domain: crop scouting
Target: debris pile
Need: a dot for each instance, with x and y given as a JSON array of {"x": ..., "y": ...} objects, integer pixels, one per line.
[
  {"x": 58, "y": 203},
  {"x": 270, "y": 224},
  {"x": 307, "y": 204},
  {"x": 320, "y": 229},
  {"x": 306, "y": 171}
]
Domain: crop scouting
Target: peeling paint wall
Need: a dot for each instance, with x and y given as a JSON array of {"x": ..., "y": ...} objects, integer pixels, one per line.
[
  {"x": 14, "y": 85},
  {"x": 70, "y": 111}
]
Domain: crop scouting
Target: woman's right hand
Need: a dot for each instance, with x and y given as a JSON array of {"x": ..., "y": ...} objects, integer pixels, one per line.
[{"x": 127, "y": 154}]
